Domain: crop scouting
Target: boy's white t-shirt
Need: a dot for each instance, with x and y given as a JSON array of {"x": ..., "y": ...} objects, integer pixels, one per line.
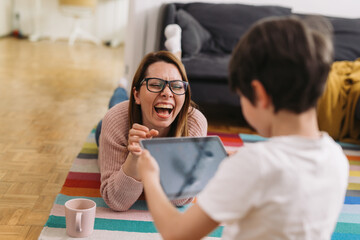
[{"x": 284, "y": 188}]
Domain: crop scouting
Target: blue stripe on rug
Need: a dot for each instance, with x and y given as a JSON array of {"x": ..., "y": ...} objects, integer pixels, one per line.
[
  {"x": 352, "y": 200},
  {"x": 109, "y": 224},
  {"x": 345, "y": 236},
  {"x": 349, "y": 146},
  {"x": 352, "y": 228},
  {"x": 251, "y": 137},
  {"x": 119, "y": 225},
  {"x": 138, "y": 205}
]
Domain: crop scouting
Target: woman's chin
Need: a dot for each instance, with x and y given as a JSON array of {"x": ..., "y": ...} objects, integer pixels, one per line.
[{"x": 162, "y": 123}]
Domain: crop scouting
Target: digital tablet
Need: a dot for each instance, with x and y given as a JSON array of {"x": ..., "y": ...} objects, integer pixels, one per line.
[{"x": 186, "y": 163}]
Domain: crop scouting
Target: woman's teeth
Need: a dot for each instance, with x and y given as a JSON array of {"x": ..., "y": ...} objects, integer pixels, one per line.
[{"x": 163, "y": 108}]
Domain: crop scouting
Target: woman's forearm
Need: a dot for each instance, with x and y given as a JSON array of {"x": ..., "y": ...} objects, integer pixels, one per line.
[
  {"x": 129, "y": 166},
  {"x": 118, "y": 190}
]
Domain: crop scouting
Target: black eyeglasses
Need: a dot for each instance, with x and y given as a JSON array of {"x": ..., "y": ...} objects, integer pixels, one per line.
[{"x": 157, "y": 85}]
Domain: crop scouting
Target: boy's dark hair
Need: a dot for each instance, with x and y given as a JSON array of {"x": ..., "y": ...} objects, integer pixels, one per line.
[{"x": 289, "y": 56}]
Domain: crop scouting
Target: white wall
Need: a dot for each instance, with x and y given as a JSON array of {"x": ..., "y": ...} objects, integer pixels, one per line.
[
  {"x": 5, "y": 17},
  {"x": 336, "y": 8},
  {"x": 109, "y": 22},
  {"x": 143, "y": 22}
]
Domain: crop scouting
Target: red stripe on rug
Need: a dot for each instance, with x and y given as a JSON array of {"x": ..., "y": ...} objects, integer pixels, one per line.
[
  {"x": 84, "y": 176},
  {"x": 82, "y": 183},
  {"x": 231, "y": 144},
  {"x": 86, "y": 192},
  {"x": 231, "y": 139},
  {"x": 228, "y": 139}
]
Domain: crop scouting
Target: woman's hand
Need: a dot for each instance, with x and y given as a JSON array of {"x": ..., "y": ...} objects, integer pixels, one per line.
[
  {"x": 137, "y": 133},
  {"x": 147, "y": 167}
]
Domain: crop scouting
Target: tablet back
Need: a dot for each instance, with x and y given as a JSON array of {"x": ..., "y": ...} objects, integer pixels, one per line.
[{"x": 186, "y": 163}]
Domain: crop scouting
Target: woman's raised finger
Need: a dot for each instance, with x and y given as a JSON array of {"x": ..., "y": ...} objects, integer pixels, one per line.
[
  {"x": 136, "y": 132},
  {"x": 140, "y": 127},
  {"x": 134, "y": 139}
]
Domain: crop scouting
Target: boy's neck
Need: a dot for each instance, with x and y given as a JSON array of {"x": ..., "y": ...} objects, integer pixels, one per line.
[{"x": 289, "y": 123}]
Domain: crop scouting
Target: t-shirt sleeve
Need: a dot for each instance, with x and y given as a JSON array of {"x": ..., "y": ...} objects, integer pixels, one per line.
[
  {"x": 198, "y": 124},
  {"x": 234, "y": 190}
]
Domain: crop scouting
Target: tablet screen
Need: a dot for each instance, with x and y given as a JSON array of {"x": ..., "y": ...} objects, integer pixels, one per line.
[{"x": 186, "y": 163}]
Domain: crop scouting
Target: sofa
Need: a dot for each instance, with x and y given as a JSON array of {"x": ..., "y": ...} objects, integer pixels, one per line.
[{"x": 211, "y": 30}]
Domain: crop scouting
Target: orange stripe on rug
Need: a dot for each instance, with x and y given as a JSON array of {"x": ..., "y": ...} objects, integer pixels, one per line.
[
  {"x": 86, "y": 192},
  {"x": 353, "y": 158}
]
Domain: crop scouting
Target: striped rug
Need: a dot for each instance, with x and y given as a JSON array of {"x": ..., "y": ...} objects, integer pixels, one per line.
[{"x": 83, "y": 181}]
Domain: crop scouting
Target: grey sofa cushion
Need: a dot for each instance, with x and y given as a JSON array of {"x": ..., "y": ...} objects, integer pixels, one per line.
[
  {"x": 228, "y": 22},
  {"x": 207, "y": 67},
  {"x": 193, "y": 34},
  {"x": 346, "y": 38}
]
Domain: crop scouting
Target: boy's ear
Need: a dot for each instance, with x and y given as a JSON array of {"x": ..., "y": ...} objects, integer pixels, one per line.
[
  {"x": 263, "y": 100},
  {"x": 136, "y": 96}
]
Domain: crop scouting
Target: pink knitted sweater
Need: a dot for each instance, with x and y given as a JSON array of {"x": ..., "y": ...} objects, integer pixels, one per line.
[{"x": 118, "y": 190}]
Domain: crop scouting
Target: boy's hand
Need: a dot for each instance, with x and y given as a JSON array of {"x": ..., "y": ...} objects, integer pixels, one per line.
[
  {"x": 137, "y": 133},
  {"x": 147, "y": 166}
]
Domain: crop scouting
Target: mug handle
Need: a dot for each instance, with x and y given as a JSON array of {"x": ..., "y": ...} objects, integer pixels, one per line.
[{"x": 78, "y": 221}]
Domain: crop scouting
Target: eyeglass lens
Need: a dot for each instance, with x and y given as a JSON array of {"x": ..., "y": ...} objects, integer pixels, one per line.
[{"x": 158, "y": 85}]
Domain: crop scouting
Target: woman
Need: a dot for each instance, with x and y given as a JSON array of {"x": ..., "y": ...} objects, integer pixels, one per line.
[{"x": 159, "y": 106}]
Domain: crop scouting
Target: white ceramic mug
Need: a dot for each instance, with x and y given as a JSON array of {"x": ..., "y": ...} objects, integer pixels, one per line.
[{"x": 80, "y": 217}]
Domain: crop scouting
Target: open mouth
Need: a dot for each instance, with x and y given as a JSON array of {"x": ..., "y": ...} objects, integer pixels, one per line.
[{"x": 164, "y": 109}]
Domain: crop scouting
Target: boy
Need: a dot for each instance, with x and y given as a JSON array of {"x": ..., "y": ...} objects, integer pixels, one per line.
[{"x": 289, "y": 187}]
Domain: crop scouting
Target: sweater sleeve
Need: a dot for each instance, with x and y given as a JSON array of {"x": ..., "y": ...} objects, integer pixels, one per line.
[
  {"x": 118, "y": 190},
  {"x": 197, "y": 123}
]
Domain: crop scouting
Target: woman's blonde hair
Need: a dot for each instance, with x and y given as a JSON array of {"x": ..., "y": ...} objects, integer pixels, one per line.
[{"x": 180, "y": 125}]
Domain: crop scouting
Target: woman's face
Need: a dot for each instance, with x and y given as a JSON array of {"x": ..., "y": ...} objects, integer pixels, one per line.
[{"x": 159, "y": 110}]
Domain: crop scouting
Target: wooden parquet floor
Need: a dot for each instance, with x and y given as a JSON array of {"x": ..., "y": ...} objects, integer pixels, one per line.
[{"x": 51, "y": 95}]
